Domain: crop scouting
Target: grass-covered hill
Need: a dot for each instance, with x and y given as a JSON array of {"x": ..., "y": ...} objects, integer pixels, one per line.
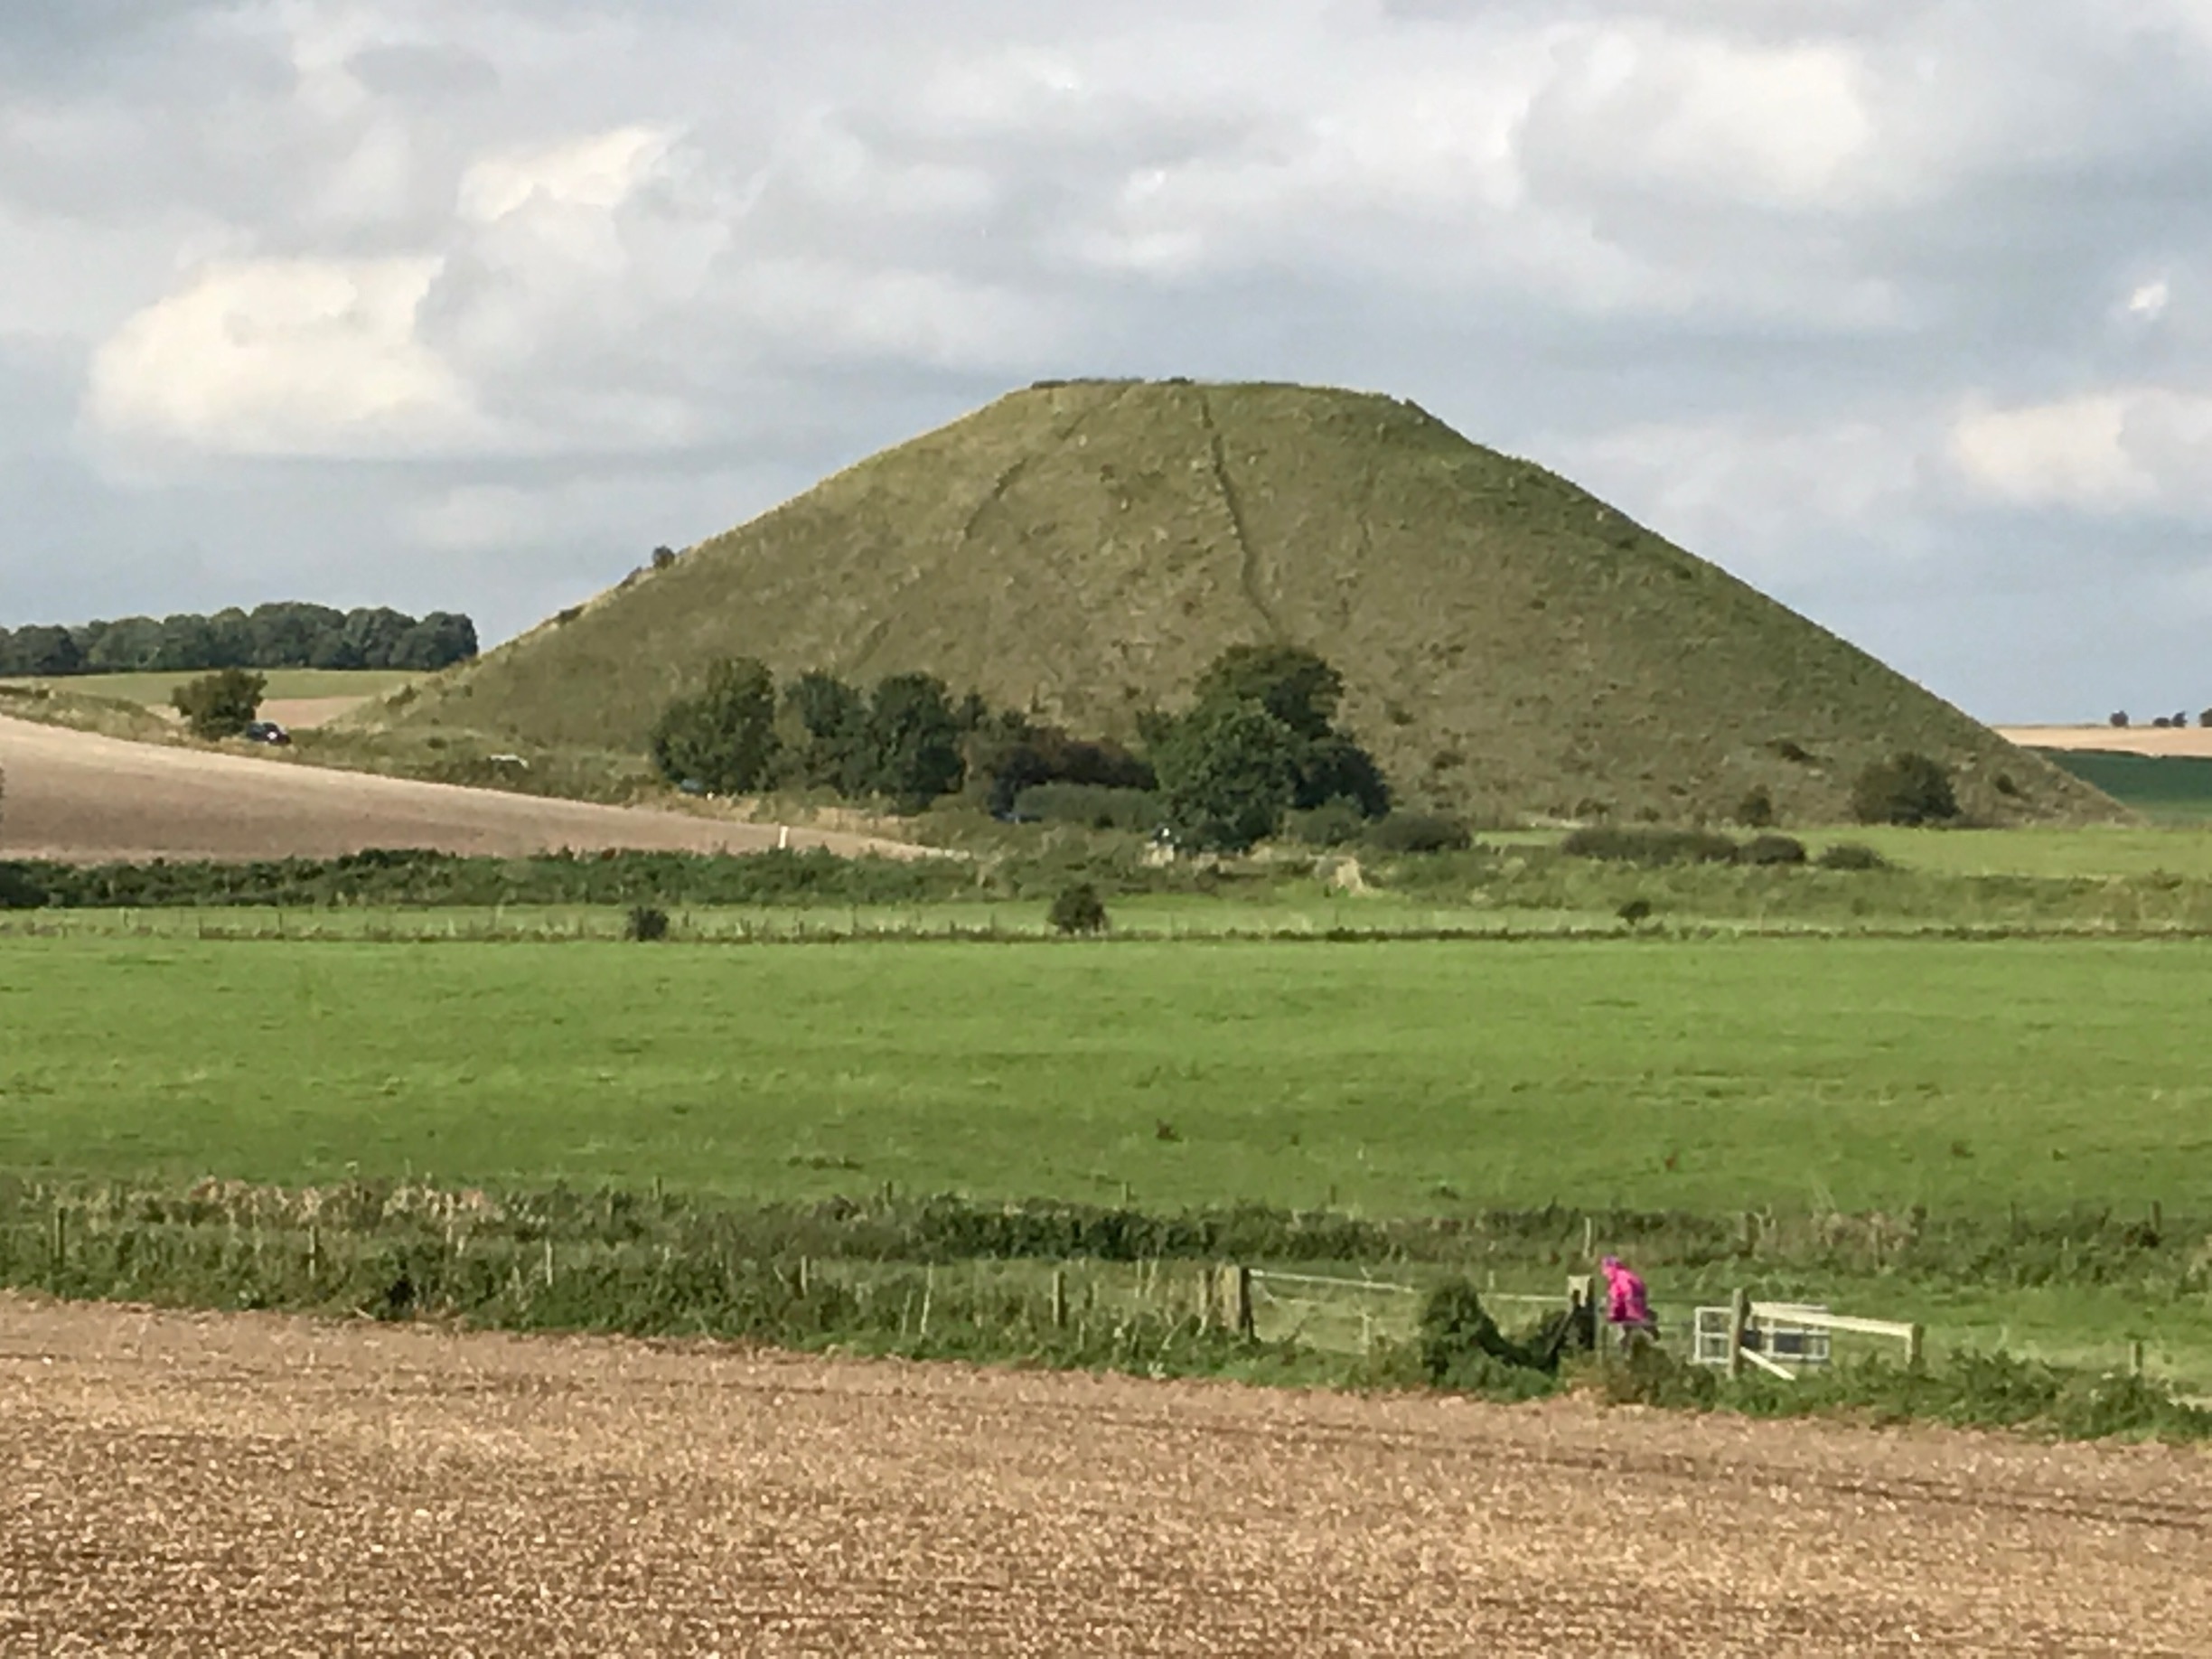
[{"x": 1511, "y": 646}]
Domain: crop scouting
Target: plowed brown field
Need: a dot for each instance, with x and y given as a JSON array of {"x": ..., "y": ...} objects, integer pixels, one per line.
[
  {"x": 86, "y": 799},
  {"x": 188, "y": 1486}
]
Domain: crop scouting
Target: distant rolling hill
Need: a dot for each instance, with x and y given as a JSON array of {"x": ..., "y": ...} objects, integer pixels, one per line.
[{"x": 1512, "y": 647}]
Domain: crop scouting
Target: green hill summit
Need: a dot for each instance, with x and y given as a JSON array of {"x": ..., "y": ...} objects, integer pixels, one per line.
[{"x": 1511, "y": 647}]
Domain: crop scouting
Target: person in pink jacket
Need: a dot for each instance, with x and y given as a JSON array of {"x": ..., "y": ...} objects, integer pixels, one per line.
[{"x": 1627, "y": 1304}]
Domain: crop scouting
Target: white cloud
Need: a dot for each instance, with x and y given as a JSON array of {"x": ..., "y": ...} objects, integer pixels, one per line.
[
  {"x": 297, "y": 357},
  {"x": 599, "y": 172},
  {"x": 2151, "y": 300},
  {"x": 2133, "y": 448}
]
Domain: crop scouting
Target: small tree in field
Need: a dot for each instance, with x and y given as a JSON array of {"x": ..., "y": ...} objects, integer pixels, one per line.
[
  {"x": 221, "y": 705},
  {"x": 1078, "y": 909}
]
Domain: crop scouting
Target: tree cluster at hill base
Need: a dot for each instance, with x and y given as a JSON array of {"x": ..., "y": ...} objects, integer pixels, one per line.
[
  {"x": 1260, "y": 742},
  {"x": 269, "y": 636}
]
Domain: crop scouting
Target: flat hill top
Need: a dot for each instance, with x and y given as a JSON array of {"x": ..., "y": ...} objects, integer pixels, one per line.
[
  {"x": 1512, "y": 647},
  {"x": 78, "y": 798}
]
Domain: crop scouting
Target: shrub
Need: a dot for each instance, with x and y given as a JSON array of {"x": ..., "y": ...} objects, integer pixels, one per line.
[
  {"x": 1852, "y": 855},
  {"x": 1078, "y": 909},
  {"x": 1090, "y": 804},
  {"x": 221, "y": 705},
  {"x": 1334, "y": 823},
  {"x": 662, "y": 557},
  {"x": 2119, "y": 717},
  {"x": 1627, "y": 845},
  {"x": 1772, "y": 850},
  {"x": 1460, "y": 1347},
  {"x": 1635, "y": 911},
  {"x": 18, "y": 890},
  {"x": 1756, "y": 810},
  {"x": 647, "y": 924},
  {"x": 1907, "y": 789},
  {"x": 1420, "y": 832}
]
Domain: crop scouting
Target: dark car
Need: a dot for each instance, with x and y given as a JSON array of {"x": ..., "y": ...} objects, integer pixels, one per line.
[{"x": 266, "y": 731}]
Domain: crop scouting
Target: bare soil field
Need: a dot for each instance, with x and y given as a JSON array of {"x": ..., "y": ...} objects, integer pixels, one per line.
[
  {"x": 2193, "y": 742},
  {"x": 86, "y": 799},
  {"x": 182, "y": 1485}
]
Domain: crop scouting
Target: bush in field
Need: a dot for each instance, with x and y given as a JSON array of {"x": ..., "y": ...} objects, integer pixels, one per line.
[
  {"x": 1460, "y": 1346},
  {"x": 1772, "y": 850},
  {"x": 1078, "y": 909},
  {"x": 1420, "y": 832},
  {"x": 1334, "y": 823},
  {"x": 647, "y": 924},
  {"x": 222, "y": 704},
  {"x": 1090, "y": 804},
  {"x": 1905, "y": 789},
  {"x": 1852, "y": 856},
  {"x": 725, "y": 736}
]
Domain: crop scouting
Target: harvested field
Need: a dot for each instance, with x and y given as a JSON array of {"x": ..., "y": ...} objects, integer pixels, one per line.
[
  {"x": 86, "y": 799},
  {"x": 198, "y": 1485},
  {"x": 2190, "y": 741}
]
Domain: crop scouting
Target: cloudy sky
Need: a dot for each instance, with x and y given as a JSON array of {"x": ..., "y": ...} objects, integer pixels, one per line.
[{"x": 1900, "y": 309}]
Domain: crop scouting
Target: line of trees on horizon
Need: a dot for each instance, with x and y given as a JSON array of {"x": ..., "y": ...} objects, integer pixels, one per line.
[{"x": 290, "y": 635}]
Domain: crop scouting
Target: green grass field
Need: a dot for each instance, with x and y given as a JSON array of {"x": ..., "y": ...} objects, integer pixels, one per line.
[
  {"x": 154, "y": 691},
  {"x": 1406, "y": 1078}
]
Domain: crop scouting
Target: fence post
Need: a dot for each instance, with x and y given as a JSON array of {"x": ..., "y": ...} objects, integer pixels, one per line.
[
  {"x": 1237, "y": 1299},
  {"x": 1059, "y": 1298},
  {"x": 2135, "y": 1359},
  {"x": 1916, "y": 1347},
  {"x": 60, "y": 1238},
  {"x": 548, "y": 1264},
  {"x": 805, "y": 1278},
  {"x": 315, "y": 1252},
  {"x": 1739, "y": 1316}
]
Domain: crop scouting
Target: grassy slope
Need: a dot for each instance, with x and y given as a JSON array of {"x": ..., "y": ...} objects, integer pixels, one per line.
[
  {"x": 1411, "y": 1078},
  {"x": 1512, "y": 646}
]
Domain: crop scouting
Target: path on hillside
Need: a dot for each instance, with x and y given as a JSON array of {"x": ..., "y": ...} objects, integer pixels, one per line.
[
  {"x": 184, "y": 1485},
  {"x": 86, "y": 798}
]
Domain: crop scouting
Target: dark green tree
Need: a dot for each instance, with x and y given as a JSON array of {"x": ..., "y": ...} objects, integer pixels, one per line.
[
  {"x": 42, "y": 650},
  {"x": 128, "y": 645},
  {"x": 438, "y": 640},
  {"x": 187, "y": 645},
  {"x": 913, "y": 740},
  {"x": 1228, "y": 771},
  {"x": 1290, "y": 682},
  {"x": 221, "y": 705},
  {"x": 725, "y": 737},
  {"x": 825, "y": 734}
]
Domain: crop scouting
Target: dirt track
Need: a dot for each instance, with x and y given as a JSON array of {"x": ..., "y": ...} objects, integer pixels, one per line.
[
  {"x": 87, "y": 799},
  {"x": 200, "y": 1485}
]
